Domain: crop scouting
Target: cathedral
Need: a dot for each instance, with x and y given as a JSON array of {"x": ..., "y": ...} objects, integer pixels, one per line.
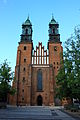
[{"x": 36, "y": 70}]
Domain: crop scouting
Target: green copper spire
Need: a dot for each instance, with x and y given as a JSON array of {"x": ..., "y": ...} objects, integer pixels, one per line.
[
  {"x": 53, "y": 21},
  {"x": 52, "y": 16},
  {"x": 27, "y": 22}
]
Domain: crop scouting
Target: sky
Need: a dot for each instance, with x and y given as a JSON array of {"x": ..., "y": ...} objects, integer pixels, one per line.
[{"x": 14, "y": 12}]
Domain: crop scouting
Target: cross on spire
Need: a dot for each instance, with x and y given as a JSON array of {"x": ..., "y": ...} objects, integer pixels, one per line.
[
  {"x": 28, "y": 17},
  {"x": 52, "y": 16}
]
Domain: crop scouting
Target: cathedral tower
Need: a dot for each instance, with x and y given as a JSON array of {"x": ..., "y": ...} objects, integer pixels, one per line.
[
  {"x": 23, "y": 65},
  {"x": 54, "y": 45}
]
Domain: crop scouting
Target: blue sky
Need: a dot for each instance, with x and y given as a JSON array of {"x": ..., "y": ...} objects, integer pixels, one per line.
[{"x": 14, "y": 12}]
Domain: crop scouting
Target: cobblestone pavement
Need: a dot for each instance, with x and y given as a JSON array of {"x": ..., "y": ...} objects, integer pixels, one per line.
[{"x": 33, "y": 113}]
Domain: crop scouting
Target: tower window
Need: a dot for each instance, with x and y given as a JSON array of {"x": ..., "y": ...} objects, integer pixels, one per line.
[
  {"x": 54, "y": 63},
  {"x": 22, "y": 90},
  {"x": 54, "y": 31},
  {"x": 54, "y": 38},
  {"x": 57, "y": 63},
  {"x": 54, "y": 67},
  {"x": 26, "y": 31},
  {"x": 24, "y": 59},
  {"x": 24, "y": 47},
  {"x": 23, "y": 78},
  {"x": 24, "y": 69},
  {"x": 22, "y": 98}
]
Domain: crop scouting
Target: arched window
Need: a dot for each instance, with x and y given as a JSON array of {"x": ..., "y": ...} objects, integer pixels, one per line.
[
  {"x": 39, "y": 80},
  {"x": 26, "y": 31},
  {"x": 53, "y": 31}
]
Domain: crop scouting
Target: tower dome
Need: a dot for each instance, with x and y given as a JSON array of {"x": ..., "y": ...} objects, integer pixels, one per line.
[
  {"x": 27, "y": 22},
  {"x": 53, "y": 21}
]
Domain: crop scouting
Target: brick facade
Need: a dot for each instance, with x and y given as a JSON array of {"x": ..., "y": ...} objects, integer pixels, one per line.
[{"x": 31, "y": 88}]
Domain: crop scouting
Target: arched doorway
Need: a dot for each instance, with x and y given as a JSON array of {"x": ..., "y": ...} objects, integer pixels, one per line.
[{"x": 39, "y": 100}]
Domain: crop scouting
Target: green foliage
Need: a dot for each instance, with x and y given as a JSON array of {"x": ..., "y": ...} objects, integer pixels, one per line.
[
  {"x": 6, "y": 76},
  {"x": 68, "y": 78}
]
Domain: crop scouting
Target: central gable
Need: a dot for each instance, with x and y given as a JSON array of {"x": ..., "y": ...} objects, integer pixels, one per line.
[{"x": 40, "y": 55}]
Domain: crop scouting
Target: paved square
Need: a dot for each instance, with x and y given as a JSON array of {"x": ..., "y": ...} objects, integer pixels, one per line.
[{"x": 33, "y": 113}]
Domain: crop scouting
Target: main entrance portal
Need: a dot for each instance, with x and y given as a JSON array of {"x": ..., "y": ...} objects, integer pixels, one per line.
[{"x": 39, "y": 100}]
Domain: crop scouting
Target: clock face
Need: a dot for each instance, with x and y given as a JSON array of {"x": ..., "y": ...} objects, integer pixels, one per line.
[{"x": 55, "y": 48}]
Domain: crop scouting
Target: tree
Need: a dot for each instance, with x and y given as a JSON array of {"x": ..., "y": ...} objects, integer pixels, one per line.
[
  {"x": 6, "y": 76},
  {"x": 68, "y": 78}
]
